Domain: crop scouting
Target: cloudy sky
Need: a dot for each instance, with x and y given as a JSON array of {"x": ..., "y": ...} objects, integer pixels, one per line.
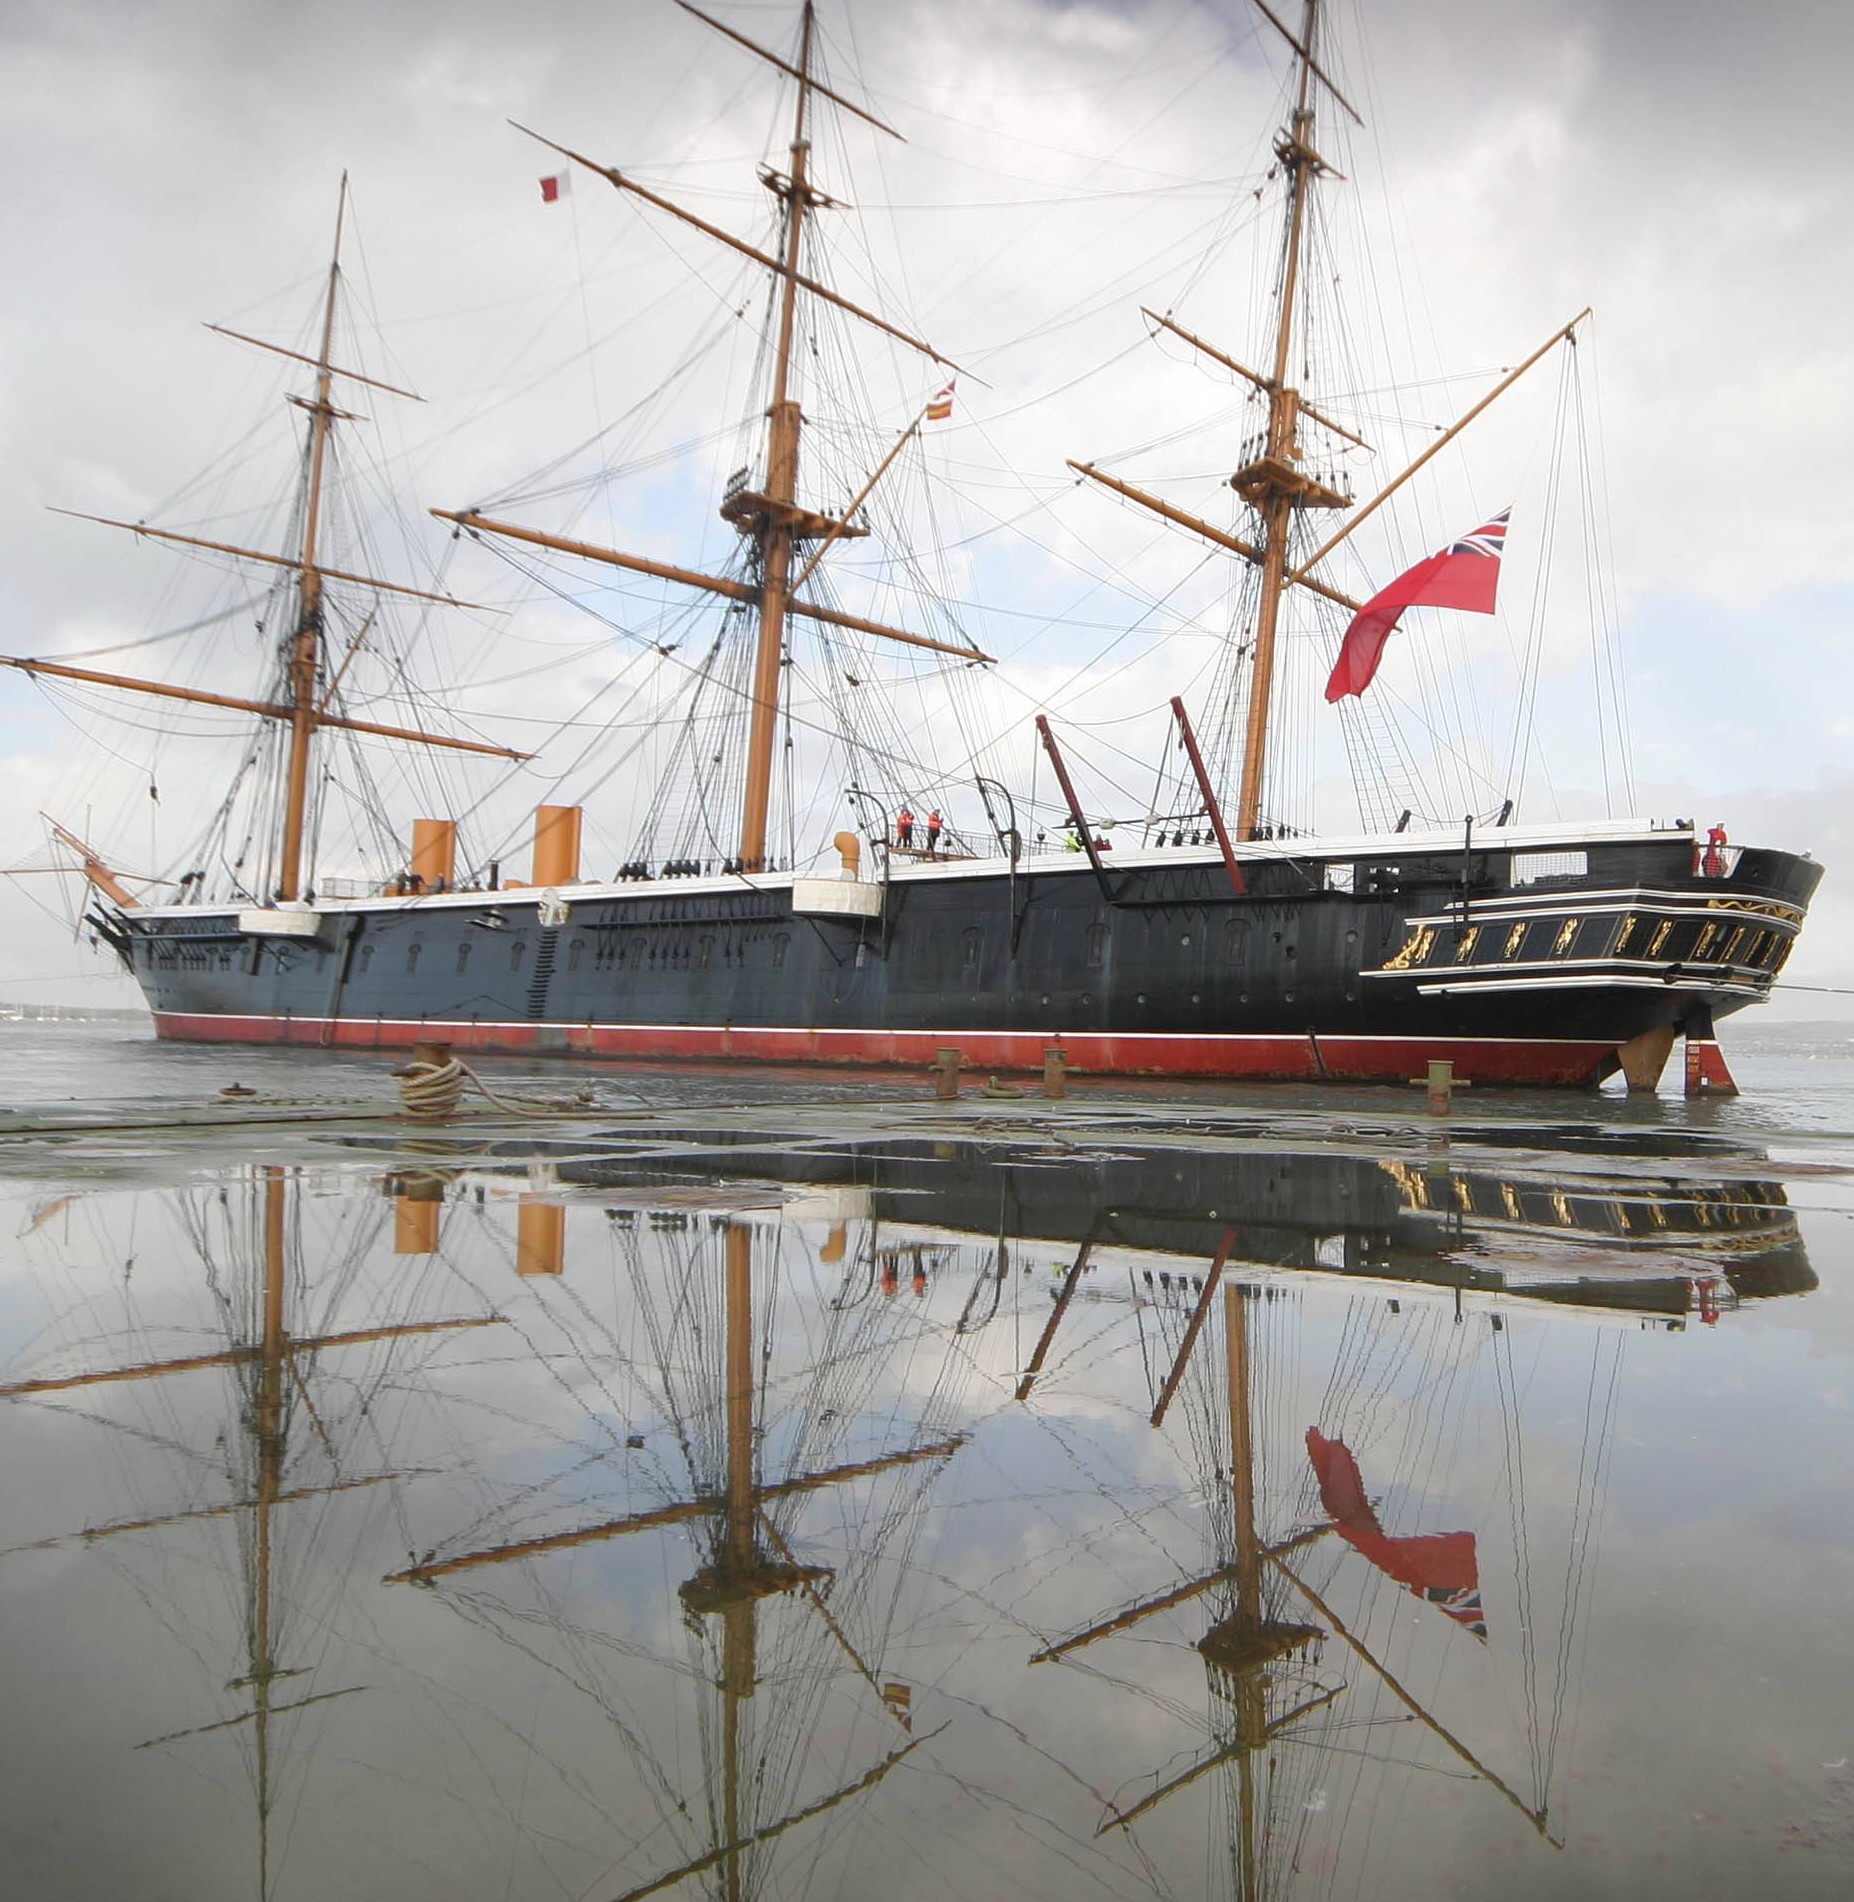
[{"x": 1680, "y": 168}]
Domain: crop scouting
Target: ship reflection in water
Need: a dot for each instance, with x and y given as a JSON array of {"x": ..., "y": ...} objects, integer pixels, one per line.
[{"x": 1104, "y": 1509}]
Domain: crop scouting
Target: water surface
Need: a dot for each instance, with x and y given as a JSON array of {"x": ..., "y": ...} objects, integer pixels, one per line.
[{"x": 777, "y": 1486}]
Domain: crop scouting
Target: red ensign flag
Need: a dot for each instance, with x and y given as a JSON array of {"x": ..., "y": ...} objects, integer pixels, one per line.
[
  {"x": 553, "y": 188},
  {"x": 1465, "y": 575},
  {"x": 1439, "y": 1567}
]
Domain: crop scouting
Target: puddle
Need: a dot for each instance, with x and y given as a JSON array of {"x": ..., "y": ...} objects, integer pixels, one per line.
[{"x": 1102, "y": 1503}]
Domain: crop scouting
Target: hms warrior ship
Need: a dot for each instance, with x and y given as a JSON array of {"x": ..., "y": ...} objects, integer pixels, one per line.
[{"x": 1220, "y": 945}]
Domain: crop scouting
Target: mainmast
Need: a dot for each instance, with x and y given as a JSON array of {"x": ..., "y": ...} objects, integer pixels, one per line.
[
  {"x": 769, "y": 518},
  {"x": 776, "y": 534},
  {"x": 748, "y": 1561}
]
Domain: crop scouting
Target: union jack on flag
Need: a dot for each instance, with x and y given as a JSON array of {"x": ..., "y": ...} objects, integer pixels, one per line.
[
  {"x": 1463, "y": 1605},
  {"x": 1464, "y": 575},
  {"x": 1488, "y": 539}
]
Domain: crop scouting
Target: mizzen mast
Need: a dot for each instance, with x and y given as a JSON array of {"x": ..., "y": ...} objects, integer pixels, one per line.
[{"x": 1273, "y": 483}]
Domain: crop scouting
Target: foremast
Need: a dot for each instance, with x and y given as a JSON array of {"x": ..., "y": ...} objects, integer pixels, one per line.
[
  {"x": 305, "y": 662},
  {"x": 310, "y": 690}
]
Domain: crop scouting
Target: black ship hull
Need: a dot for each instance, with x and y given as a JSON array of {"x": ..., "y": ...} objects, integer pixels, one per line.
[{"x": 1542, "y": 960}]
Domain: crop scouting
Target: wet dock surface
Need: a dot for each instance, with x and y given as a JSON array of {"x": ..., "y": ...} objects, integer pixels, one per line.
[{"x": 796, "y": 1487}]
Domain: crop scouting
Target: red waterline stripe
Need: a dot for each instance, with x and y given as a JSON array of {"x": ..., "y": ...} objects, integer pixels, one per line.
[{"x": 1119, "y": 1053}]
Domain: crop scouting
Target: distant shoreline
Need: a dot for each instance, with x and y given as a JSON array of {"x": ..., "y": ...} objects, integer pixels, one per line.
[{"x": 68, "y": 1014}]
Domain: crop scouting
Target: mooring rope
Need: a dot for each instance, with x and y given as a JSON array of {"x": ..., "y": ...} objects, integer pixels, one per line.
[{"x": 435, "y": 1090}]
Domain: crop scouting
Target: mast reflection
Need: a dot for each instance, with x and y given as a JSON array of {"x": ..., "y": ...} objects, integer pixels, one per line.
[
  {"x": 256, "y": 1267},
  {"x": 870, "y": 1495}
]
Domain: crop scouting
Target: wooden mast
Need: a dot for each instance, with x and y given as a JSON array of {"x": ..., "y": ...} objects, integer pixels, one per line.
[
  {"x": 776, "y": 537},
  {"x": 739, "y": 1542},
  {"x": 1273, "y": 481},
  {"x": 306, "y": 643},
  {"x": 770, "y": 518},
  {"x": 1271, "y": 484},
  {"x": 268, "y": 1431},
  {"x": 305, "y": 705},
  {"x": 1251, "y": 1698},
  {"x": 739, "y": 1576},
  {"x": 264, "y": 1417}
]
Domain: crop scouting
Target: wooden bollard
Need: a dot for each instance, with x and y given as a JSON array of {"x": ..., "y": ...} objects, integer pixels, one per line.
[
  {"x": 431, "y": 1084},
  {"x": 1441, "y": 1085},
  {"x": 946, "y": 1074},
  {"x": 1055, "y": 1074},
  {"x": 418, "y": 1206}
]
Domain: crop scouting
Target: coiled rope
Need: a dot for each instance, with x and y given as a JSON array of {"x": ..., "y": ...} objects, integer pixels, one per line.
[{"x": 433, "y": 1091}]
